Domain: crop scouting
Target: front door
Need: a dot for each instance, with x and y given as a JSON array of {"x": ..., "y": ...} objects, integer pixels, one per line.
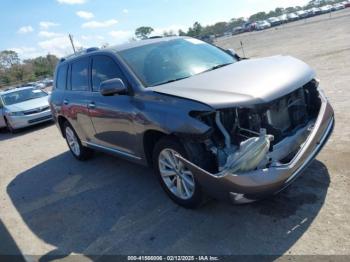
[{"x": 112, "y": 116}]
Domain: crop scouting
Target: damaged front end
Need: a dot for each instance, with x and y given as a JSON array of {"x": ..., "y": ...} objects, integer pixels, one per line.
[{"x": 259, "y": 150}]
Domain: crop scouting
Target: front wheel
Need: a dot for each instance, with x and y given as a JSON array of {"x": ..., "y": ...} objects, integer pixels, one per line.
[
  {"x": 9, "y": 127},
  {"x": 79, "y": 151},
  {"x": 176, "y": 180}
]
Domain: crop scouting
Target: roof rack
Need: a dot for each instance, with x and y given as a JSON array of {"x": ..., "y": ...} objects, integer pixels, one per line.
[{"x": 85, "y": 51}]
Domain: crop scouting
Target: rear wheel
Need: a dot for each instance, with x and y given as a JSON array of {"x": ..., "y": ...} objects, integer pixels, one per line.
[
  {"x": 176, "y": 180},
  {"x": 79, "y": 151}
]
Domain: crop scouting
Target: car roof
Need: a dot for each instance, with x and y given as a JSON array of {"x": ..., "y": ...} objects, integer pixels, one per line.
[
  {"x": 134, "y": 44},
  {"x": 15, "y": 89},
  {"x": 121, "y": 47}
]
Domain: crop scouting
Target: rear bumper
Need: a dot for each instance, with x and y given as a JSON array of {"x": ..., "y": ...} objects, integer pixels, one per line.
[
  {"x": 29, "y": 120},
  {"x": 252, "y": 185}
]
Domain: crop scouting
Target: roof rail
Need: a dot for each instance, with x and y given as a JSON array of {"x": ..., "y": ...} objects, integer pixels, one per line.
[
  {"x": 154, "y": 37},
  {"x": 84, "y": 51}
]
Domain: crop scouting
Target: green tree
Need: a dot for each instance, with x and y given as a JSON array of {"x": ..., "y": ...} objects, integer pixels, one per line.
[
  {"x": 220, "y": 28},
  {"x": 258, "y": 16},
  {"x": 169, "y": 33},
  {"x": 181, "y": 33},
  {"x": 234, "y": 22},
  {"x": 291, "y": 9},
  {"x": 13, "y": 71},
  {"x": 279, "y": 11},
  {"x": 8, "y": 58},
  {"x": 43, "y": 65},
  {"x": 196, "y": 30},
  {"x": 143, "y": 32}
]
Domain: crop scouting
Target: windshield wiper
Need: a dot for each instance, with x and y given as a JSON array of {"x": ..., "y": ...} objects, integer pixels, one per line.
[
  {"x": 216, "y": 67},
  {"x": 172, "y": 80}
]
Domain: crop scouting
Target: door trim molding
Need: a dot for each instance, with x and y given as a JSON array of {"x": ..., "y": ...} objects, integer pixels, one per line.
[{"x": 112, "y": 150}]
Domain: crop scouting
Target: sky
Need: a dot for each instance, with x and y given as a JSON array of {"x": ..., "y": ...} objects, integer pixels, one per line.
[{"x": 37, "y": 27}]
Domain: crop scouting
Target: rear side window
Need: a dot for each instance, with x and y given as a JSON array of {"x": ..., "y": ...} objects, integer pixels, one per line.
[
  {"x": 103, "y": 68},
  {"x": 61, "y": 78},
  {"x": 80, "y": 75}
]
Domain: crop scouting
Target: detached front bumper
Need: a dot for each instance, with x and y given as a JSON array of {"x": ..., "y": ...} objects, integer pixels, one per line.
[{"x": 252, "y": 185}]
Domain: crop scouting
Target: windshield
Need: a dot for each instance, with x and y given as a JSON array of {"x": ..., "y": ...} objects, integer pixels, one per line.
[
  {"x": 22, "y": 95},
  {"x": 168, "y": 61}
]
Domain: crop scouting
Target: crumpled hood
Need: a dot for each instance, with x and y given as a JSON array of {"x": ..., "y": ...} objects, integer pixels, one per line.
[
  {"x": 242, "y": 83},
  {"x": 30, "y": 104}
]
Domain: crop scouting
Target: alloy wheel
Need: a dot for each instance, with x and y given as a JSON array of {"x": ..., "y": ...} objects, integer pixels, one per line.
[
  {"x": 178, "y": 179},
  {"x": 72, "y": 141}
]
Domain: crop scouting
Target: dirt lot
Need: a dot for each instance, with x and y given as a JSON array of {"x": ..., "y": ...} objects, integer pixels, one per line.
[{"x": 51, "y": 204}]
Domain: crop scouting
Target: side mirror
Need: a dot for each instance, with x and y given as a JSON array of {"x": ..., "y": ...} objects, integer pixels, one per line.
[{"x": 113, "y": 86}]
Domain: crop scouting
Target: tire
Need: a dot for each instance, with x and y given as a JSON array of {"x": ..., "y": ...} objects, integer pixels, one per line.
[
  {"x": 79, "y": 151},
  {"x": 187, "y": 196},
  {"x": 9, "y": 127}
]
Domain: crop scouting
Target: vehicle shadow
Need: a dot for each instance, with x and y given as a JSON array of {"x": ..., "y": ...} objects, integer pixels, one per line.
[
  {"x": 9, "y": 250},
  {"x": 109, "y": 206},
  {"x": 5, "y": 134}
]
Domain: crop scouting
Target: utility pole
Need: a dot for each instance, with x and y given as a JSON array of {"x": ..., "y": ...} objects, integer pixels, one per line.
[
  {"x": 71, "y": 41},
  {"x": 242, "y": 49}
]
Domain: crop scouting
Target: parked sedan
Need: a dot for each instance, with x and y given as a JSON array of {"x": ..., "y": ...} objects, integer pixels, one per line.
[
  {"x": 338, "y": 6},
  {"x": 261, "y": 25},
  {"x": 274, "y": 21},
  {"x": 302, "y": 14},
  {"x": 22, "y": 107},
  {"x": 283, "y": 18},
  {"x": 292, "y": 17},
  {"x": 326, "y": 9}
]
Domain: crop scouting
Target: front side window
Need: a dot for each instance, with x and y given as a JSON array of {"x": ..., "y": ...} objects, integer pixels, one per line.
[
  {"x": 172, "y": 60},
  {"x": 80, "y": 80},
  {"x": 61, "y": 78},
  {"x": 20, "y": 96},
  {"x": 103, "y": 68}
]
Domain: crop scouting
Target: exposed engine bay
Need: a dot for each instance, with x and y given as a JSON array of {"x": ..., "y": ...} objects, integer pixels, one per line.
[{"x": 270, "y": 134}]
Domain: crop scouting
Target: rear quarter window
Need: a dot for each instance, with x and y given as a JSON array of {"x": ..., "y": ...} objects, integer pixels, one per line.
[{"x": 61, "y": 78}]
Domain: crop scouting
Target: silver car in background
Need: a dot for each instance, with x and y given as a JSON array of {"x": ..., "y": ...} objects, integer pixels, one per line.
[
  {"x": 22, "y": 107},
  {"x": 261, "y": 25}
]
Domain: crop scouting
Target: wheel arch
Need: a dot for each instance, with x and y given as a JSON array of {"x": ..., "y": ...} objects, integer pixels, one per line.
[
  {"x": 150, "y": 139},
  {"x": 61, "y": 120}
]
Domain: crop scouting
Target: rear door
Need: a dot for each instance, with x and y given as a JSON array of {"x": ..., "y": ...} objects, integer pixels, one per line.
[
  {"x": 77, "y": 97},
  {"x": 112, "y": 116}
]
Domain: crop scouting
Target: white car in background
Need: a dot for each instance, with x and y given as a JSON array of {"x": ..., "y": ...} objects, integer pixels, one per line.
[
  {"x": 326, "y": 9},
  {"x": 302, "y": 14},
  {"x": 22, "y": 107},
  {"x": 261, "y": 25},
  {"x": 283, "y": 18},
  {"x": 292, "y": 17},
  {"x": 338, "y": 6}
]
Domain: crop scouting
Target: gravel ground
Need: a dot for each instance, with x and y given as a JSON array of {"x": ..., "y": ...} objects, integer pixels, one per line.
[{"x": 51, "y": 204}]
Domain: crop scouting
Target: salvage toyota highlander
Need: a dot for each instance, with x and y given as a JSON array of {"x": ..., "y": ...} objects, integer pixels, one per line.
[{"x": 208, "y": 121}]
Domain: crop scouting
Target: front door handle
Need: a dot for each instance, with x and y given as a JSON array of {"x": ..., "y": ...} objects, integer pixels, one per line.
[
  {"x": 65, "y": 102},
  {"x": 91, "y": 105}
]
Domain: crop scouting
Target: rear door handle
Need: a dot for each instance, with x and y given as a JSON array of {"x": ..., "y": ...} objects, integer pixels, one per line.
[
  {"x": 91, "y": 105},
  {"x": 65, "y": 101}
]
